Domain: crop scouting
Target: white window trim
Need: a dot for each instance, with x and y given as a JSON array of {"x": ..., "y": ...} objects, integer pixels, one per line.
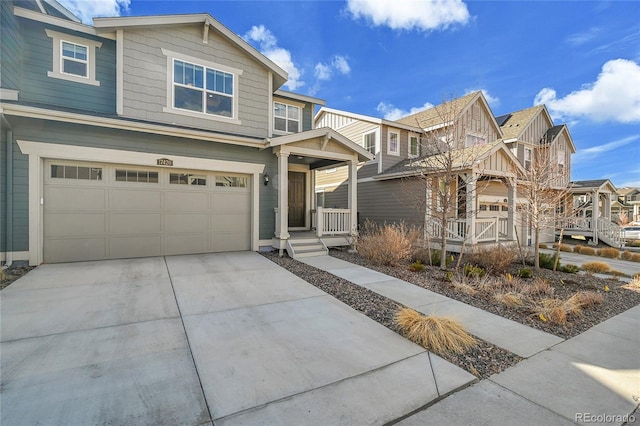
[
  {"x": 91, "y": 46},
  {"x": 288, "y": 104},
  {"x": 389, "y": 151},
  {"x": 524, "y": 157},
  {"x": 413, "y": 135},
  {"x": 475, "y": 135},
  {"x": 169, "y": 108},
  {"x": 376, "y": 149},
  {"x": 38, "y": 151}
]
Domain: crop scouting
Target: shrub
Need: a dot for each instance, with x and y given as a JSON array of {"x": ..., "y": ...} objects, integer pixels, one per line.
[
  {"x": 596, "y": 267},
  {"x": 448, "y": 276},
  {"x": 582, "y": 299},
  {"x": 570, "y": 269},
  {"x": 525, "y": 273},
  {"x": 473, "y": 271},
  {"x": 495, "y": 259},
  {"x": 547, "y": 261},
  {"x": 609, "y": 252},
  {"x": 416, "y": 266},
  {"x": 435, "y": 258},
  {"x": 635, "y": 257},
  {"x": 543, "y": 246},
  {"x": 563, "y": 247},
  {"x": 388, "y": 244},
  {"x": 626, "y": 255},
  {"x": 589, "y": 251},
  {"x": 439, "y": 335}
]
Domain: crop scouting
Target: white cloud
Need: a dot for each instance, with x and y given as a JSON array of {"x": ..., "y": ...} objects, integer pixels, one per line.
[
  {"x": 390, "y": 112},
  {"x": 614, "y": 96},
  {"x": 598, "y": 150},
  {"x": 324, "y": 71},
  {"x": 268, "y": 45},
  {"x": 578, "y": 39},
  {"x": 424, "y": 15},
  {"x": 88, "y": 9},
  {"x": 493, "y": 101}
]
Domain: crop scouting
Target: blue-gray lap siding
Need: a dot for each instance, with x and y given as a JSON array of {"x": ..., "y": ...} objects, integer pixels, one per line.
[
  {"x": 38, "y": 87},
  {"x": 80, "y": 135},
  {"x": 10, "y": 48},
  {"x": 20, "y": 189}
]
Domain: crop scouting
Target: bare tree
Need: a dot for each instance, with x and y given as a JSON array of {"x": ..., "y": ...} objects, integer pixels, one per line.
[{"x": 542, "y": 185}]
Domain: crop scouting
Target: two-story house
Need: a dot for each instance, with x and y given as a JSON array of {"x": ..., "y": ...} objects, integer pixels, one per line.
[{"x": 151, "y": 135}]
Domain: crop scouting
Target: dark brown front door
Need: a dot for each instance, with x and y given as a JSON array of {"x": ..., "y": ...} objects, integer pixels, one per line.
[{"x": 297, "y": 197}]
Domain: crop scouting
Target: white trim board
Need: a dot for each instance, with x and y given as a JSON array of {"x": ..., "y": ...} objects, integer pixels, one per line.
[{"x": 38, "y": 151}]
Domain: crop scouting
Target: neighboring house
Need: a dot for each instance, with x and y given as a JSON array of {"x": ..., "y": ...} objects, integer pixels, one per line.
[
  {"x": 152, "y": 135},
  {"x": 628, "y": 201},
  {"x": 592, "y": 211}
]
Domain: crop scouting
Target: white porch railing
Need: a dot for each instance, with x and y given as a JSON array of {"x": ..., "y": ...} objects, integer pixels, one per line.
[
  {"x": 487, "y": 229},
  {"x": 610, "y": 232},
  {"x": 577, "y": 223},
  {"x": 333, "y": 222}
]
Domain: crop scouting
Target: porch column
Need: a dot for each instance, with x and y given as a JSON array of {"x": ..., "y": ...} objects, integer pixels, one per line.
[
  {"x": 353, "y": 195},
  {"x": 283, "y": 194},
  {"x": 471, "y": 208},
  {"x": 511, "y": 206},
  {"x": 607, "y": 206},
  {"x": 595, "y": 213}
]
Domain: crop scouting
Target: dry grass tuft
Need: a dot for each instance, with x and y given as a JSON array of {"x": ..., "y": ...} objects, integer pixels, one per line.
[
  {"x": 586, "y": 299},
  {"x": 596, "y": 267},
  {"x": 634, "y": 285},
  {"x": 626, "y": 255},
  {"x": 563, "y": 247},
  {"x": 590, "y": 251},
  {"x": 635, "y": 257},
  {"x": 495, "y": 259},
  {"x": 511, "y": 300},
  {"x": 439, "y": 335},
  {"x": 537, "y": 287},
  {"x": 552, "y": 310},
  {"x": 463, "y": 288},
  {"x": 609, "y": 252},
  {"x": 388, "y": 244}
]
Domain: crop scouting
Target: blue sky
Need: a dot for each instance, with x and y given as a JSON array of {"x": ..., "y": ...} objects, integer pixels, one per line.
[{"x": 387, "y": 58}]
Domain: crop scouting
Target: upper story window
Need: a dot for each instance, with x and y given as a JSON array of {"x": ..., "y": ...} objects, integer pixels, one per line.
[
  {"x": 74, "y": 58},
  {"x": 473, "y": 140},
  {"x": 527, "y": 158},
  {"x": 393, "y": 143},
  {"x": 414, "y": 146},
  {"x": 286, "y": 118},
  {"x": 369, "y": 141},
  {"x": 200, "y": 88}
]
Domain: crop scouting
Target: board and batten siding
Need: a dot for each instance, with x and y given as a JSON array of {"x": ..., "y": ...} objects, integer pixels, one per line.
[
  {"x": 334, "y": 121},
  {"x": 146, "y": 76},
  {"x": 11, "y": 48},
  {"x": 477, "y": 120},
  {"x": 38, "y": 87},
  {"x": 536, "y": 129},
  {"x": 164, "y": 146}
]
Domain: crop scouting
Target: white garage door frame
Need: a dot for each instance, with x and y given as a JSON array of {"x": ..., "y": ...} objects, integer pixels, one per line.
[{"x": 39, "y": 151}]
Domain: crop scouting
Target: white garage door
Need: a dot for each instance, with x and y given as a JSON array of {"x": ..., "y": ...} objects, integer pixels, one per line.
[{"x": 105, "y": 211}]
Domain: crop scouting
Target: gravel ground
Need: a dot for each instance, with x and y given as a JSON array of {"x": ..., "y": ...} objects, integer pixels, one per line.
[
  {"x": 7, "y": 276},
  {"x": 481, "y": 361},
  {"x": 617, "y": 299}
]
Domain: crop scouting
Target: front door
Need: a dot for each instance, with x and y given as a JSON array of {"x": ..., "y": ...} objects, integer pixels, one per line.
[{"x": 297, "y": 207}]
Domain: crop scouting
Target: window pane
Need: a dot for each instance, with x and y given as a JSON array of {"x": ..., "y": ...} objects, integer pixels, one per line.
[
  {"x": 70, "y": 172},
  {"x": 293, "y": 112},
  {"x": 81, "y": 53},
  {"x": 228, "y": 84},
  {"x": 198, "y": 77},
  {"x": 57, "y": 171},
  {"x": 75, "y": 68},
  {"x": 280, "y": 124},
  {"x": 292, "y": 126},
  {"x": 280, "y": 110},
  {"x": 178, "y": 72},
  {"x": 219, "y": 105},
  {"x": 219, "y": 82},
  {"x": 121, "y": 175},
  {"x": 83, "y": 173},
  {"x": 188, "y": 99},
  {"x": 96, "y": 173},
  {"x": 153, "y": 177},
  {"x": 200, "y": 180},
  {"x": 67, "y": 50},
  {"x": 231, "y": 181}
]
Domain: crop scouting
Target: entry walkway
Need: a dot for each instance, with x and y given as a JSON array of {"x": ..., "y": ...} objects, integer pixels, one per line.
[{"x": 507, "y": 334}]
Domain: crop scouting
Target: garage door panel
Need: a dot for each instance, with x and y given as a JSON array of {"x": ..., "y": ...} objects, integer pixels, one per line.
[
  {"x": 186, "y": 201},
  {"x": 231, "y": 242},
  {"x": 135, "y": 223},
  {"x": 135, "y": 200},
  {"x": 231, "y": 202},
  {"x": 186, "y": 244},
  {"x": 121, "y": 247},
  {"x": 186, "y": 222},
  {"x": 230, "y": 222},
  {"x": 74, "y": 198},
  {"x": 75, "y": 249},
  {"x": 74, "y": 224}
]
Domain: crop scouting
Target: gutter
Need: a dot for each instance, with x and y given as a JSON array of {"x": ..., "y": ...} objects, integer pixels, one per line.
[{"x": 9, "y": 208}]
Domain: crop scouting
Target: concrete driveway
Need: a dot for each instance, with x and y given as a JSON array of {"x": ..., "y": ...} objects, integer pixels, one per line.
[{"x": 231, "y": 338}]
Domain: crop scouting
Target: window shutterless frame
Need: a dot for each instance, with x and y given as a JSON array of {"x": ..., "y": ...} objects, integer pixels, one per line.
[{"x": 74, "y": 59}]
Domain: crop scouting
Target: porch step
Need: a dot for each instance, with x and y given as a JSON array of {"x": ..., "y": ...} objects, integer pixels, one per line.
[{"x": 306, "y": 247}]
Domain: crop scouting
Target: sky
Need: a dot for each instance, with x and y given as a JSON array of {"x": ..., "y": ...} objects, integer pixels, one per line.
[{"x": 389, "y": 58}]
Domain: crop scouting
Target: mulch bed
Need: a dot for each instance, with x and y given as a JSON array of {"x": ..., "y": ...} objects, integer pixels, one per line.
[
  {"x": 619, "y": 297},
  {"x": 9, "y": 275},
  {"x": 482, "y": 361}
]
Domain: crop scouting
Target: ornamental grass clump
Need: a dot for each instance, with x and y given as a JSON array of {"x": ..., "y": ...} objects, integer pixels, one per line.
[
  {"x": 596, "y": 267},
  {"x": 439, "y": 335},
  {"x": 551, "y": 310},
  {"x": 609, "y": 252},
  {"x": 388, "y": 244},
  {"x": 494, "y": 260},
  {"x": 511, "y": 300}
]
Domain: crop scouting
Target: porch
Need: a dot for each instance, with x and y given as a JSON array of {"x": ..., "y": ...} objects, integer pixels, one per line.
[{"x": 485, "y": 232}]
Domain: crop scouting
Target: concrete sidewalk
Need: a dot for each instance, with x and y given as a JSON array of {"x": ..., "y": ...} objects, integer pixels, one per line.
[
  {"x": 592, "y": 378},
  {"x": 510, "y": 335}
]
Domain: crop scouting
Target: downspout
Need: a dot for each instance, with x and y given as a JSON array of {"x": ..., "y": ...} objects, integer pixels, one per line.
[{"x": 9, "y": 208}]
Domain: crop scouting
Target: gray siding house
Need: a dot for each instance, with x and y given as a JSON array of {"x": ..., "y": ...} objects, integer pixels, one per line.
[{"x": 154, "y": 135}]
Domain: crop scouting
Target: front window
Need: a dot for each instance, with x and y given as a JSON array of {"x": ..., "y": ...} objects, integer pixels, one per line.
[
  {"x": 473, "y": 140},
  {"x": 369, "y": 142},
  {"x": 202, "y": 89},
  {"x": 286, "y": 118},
  {"x": 75, "y": 59},
  {"x": 527, "y": 158},
  {"x": 414, "y": 148},
  {"x": 393, "y": 145}
]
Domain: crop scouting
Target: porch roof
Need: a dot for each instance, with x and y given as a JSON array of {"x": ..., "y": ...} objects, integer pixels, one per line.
[{"x": 583, "y": 186}]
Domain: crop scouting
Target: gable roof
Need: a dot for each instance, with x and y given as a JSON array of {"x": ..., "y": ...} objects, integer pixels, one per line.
[
  {"x": 367, "y": 118},
  {"x": 280, "y": 76},
  {"x": 590, "y": 185},
  {"x": 434, "y": 116},
  {"x": 555, "y": 131},
  {"x": 462, "y": 159}
]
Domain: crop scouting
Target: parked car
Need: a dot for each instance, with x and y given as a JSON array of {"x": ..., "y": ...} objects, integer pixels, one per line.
[{"x": 631, "y": 232}]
